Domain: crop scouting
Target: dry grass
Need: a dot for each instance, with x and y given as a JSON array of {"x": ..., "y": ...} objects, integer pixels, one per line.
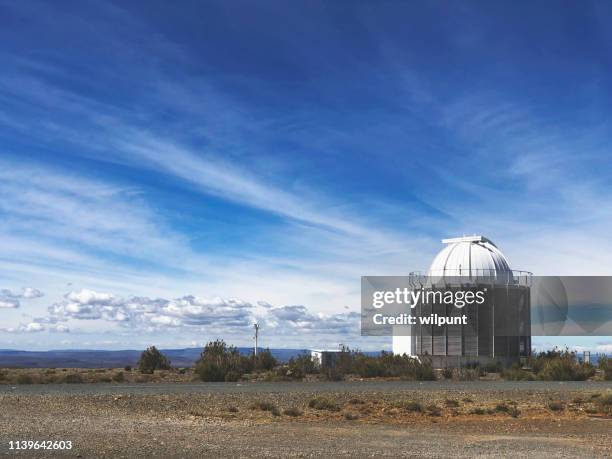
[
  {"x": 451, "y": 403},
  {"x": 385, "y": 408},
  {"x": 323, "y": 403},
  {"x": 556, "y": 406},
  {"x": 413, "y": 407},
  {"x": 266, "y": 406},
  {"x": 604, "y": 404},
  {"x": 87, "y": 376},
  {"x": 293, "y": 412}
]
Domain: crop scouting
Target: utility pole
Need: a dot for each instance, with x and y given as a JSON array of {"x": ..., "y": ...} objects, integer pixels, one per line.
[{"x": 256, "y": 338}]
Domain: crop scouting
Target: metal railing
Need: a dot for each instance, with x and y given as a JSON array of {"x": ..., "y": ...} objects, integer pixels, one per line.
[{"x": 471, "y": 276}]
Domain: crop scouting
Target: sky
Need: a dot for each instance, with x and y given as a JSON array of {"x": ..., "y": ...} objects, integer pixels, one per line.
[{"x": 172, "y": 172}]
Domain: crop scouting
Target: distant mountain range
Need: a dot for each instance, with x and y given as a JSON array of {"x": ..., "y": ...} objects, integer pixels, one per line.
[
  {"x": 80, "y": 358},
  {"x": 76, "y": 358}
]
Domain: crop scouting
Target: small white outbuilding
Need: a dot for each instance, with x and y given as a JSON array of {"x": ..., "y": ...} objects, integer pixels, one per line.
[{"x": 325, "y": 358}]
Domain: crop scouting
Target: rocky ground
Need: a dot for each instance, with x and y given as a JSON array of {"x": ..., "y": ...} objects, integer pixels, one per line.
[{"x": 446, "y": 422}]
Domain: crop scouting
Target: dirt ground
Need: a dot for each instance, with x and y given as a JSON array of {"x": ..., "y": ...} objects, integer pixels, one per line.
[{"x": 410, "y": 423}]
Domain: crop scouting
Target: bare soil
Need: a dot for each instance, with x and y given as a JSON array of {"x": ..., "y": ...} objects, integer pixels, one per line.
[{"x": 518, "y": 422}]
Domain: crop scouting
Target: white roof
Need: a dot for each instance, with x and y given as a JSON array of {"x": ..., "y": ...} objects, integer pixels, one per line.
[{"x": 472, "y": 256}]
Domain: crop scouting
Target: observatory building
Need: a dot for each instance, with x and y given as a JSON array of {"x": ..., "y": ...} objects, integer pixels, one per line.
[{"x": 497, "y": 330}]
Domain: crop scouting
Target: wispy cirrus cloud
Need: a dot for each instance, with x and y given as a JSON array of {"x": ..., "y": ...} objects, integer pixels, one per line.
[{"x": 139, "y": 168}]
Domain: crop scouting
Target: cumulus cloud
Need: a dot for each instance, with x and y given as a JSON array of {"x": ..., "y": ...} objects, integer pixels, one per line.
[
  {"x": 9, "y": 299},
  {"x": 191, "y": 312},
  {"x": 8, "y": 303},
  {"x": 297, "y": 318},
  {"x": 31, "y": 293},
  {"x": 89, "y": 305},
  {"x": 36, "y": 327}
]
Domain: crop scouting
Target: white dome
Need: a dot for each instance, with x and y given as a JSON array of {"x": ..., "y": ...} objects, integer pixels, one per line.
[{"x": 472, "y": 257}]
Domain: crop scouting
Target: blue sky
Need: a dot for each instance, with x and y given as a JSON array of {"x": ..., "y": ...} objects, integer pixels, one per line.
[{"x": 232, "y": 161}]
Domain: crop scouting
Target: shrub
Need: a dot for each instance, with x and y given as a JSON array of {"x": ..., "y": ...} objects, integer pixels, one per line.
[
  {"x": 424, "y": 372},
  {"x": 557, "y": 365},
  {"x": 322, "y": 403},
  {"x": 266, "y": 406},
  {"x": 24, "y": 378},
  {"x": 384, "y": 365},
  {"x": 413, "y": 407},
  {"x": 48, "y": 379},
  {"x": 262, "y": 406},
  {"x": 128, "y": 368},
  {"x": 351, "y": 416},
  {"x": 605, "y": 365},
  {"x": 515, "y": 373},
  {"x": 565, "y": 370},
  {"x": 208, "y": 371},
  {"x": 466, "y": 374},
  {"x": 604, "y": 403},
  {"x": 232, "y": 409},
  {"x": 151, "y": 359},
  {"x": 293, "y": 411},
  {"x": 370, "y": 367},
  {"x": 356, "y": 401},
  {"x": 119, "y": 377},
  {"x": 220, "y": 362},
  {"x": 434, "y": 410},
  {"x": 353, "y": 362},
  {"x": 73, "y": 378},
  {"x": 555, "y": 406},
  {"x": 300, "y": 366},
  {"x": 334, "y": 374},
  {"x": 451, "y": 403},
  {"x": 232, "y": 376},
  {"x": 478, "y": 411},
  {"x": 265, "y": 360},
  {"x": 492, "y": 367},
  {"x": 502, "y": 408}
]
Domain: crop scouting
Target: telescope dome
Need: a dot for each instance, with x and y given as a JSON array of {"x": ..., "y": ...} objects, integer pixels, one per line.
[{"x": 471, "y": 257}]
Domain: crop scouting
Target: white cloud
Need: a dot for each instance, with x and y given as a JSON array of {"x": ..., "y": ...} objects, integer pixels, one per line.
[
  {"x": 8, "y": 299},
  {"x": 37, "y": 327},
  {"x": 30, "y": 293},
  {"x": 297, "y": 319},
  {"x": 604, "y": 348},
  {"x": 90, "y": 305},
  {"x": 193, "y": 313},
  {"x": 9, "y": 303},
  {"x": 33, "y": 327},
  {"x": 63, "y": 209}
]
